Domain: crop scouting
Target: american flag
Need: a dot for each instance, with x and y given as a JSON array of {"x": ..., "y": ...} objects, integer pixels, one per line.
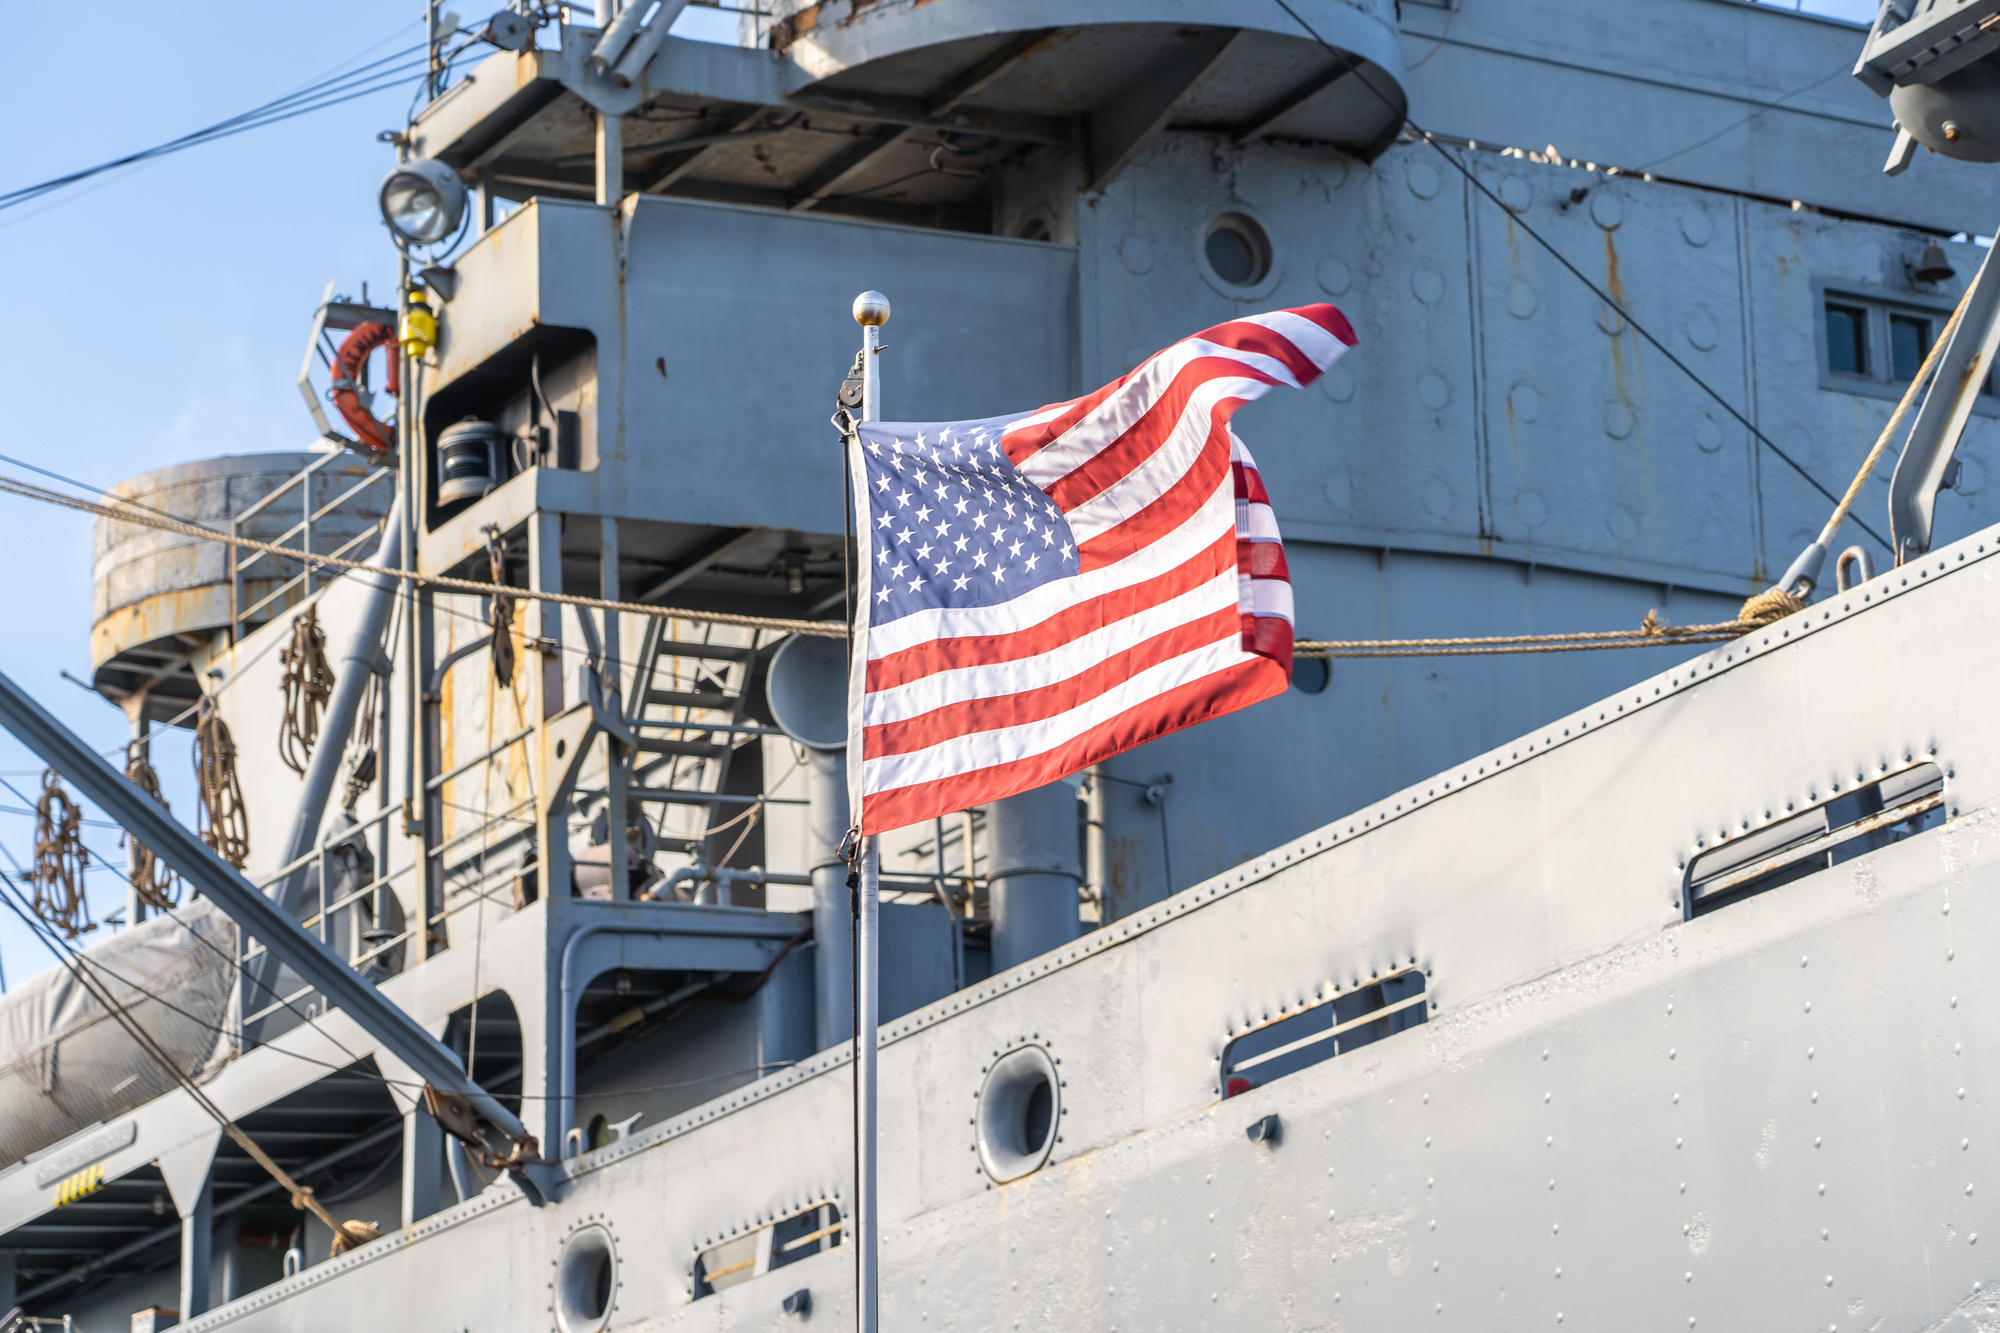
[{"x": 1044, "y": 590}]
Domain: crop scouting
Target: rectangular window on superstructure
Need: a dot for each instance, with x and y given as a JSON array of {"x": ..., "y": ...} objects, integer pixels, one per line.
[
  {"x": 1846, "y": 339},
  {"x": 1909, "y": 344},
  {"x": 1875, "y": 345},
  {"x": 1381, "y": 1008}
]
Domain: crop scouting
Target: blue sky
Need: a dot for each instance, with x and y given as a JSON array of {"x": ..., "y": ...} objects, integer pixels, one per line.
[{"x": 157, "y": 314}]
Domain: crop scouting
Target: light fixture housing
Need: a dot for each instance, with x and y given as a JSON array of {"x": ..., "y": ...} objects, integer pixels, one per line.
[{"x": 423, "y": 201}]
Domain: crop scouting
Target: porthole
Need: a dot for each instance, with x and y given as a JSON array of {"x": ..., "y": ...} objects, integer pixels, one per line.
[
  {"x": 1236, "y": 250},
  {"x": 1019, "y": 1109},
  {"x": 1311, "y": 675},
  {"x": 586, "y": 1281}
]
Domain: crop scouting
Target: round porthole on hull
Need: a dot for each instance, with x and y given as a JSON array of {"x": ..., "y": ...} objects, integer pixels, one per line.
[
  {"x": 1235, "y": 255},
  {"x": 586, "y": 1281},
  {"x": 1019, "y": 1108}
]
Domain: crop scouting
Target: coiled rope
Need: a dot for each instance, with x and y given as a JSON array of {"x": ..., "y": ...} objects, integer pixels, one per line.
[
  {"x": 222, "y": 821},
  {"x": 151, "y": 878},
  {"x": 308, "y": 684},
  {"x": 60, "y": 860},
  {"x": 502, "y": 613}
]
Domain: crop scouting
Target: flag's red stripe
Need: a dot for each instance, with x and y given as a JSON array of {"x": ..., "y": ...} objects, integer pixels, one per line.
[
  {"x": 1126, "y": 454},
  {"x": 1329, "y": 318},
  {"x": 1268, "y": 636},
  {"x": 1040, "y": 703},
  {"x": 1066, "y": 626},
  {"x": 1021, "y": 444},
  {"x": 1224, "y": 692},
  {"x": 1167, "y": 513},
  {"x": 1262, "y": 560},
  {"x": 1249, "y": 485}
]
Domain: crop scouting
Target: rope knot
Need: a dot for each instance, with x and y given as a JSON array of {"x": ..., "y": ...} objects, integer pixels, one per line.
[{"x": 1770, "y": 605}]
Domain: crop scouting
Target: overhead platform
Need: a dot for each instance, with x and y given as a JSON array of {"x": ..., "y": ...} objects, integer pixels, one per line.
[{"x": 907, "y": 114}]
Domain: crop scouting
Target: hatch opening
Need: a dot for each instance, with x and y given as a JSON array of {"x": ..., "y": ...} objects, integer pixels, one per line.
[
  {"x": 1365, "y": 1014},
  {"x": 1898, "y": 806}
]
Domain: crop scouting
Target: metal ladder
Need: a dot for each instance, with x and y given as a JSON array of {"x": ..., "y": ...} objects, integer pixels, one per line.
[{"x": 689, "y": 731}]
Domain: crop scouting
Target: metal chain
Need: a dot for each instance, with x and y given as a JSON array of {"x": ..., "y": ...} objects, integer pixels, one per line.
[
  {"x": 222, "y": 821},
  {"x": 60, "y": 860},
  {"x": 502, "y": 614},
  {"x": 307, "y": 685},
  {"x": 151, "y": 878}
]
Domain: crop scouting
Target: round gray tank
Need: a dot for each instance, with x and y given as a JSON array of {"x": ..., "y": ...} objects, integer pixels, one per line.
[
  {"x": 67, "y": 1064},
  {"x": 157, "y": 595}
]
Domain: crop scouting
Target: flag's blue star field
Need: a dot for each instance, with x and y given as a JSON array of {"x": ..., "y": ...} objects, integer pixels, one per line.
[{"x": 951, "y": 523}]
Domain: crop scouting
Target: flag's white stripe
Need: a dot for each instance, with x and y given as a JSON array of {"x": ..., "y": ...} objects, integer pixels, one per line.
[
  {"x": 965, "y": 754},
  {"x": 1206, "y": 526},
  {"x": 1321, "y": 347},
  {"x": 1256, "y": 523},
  {"x": 988, "y": 680},
  {"x": 1108, "y": 422},
  {"x": 1265, "y": 597},
  {"x": 1153, "y": 476}
]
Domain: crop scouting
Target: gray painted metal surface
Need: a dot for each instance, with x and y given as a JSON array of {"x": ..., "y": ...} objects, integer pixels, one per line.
[{"x": 1614, "y": 1104}]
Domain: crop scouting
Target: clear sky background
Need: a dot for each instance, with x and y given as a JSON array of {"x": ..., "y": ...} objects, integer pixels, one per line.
[{"x": 157, "y": 315}]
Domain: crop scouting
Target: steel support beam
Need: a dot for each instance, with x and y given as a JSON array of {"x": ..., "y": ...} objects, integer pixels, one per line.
[
  {"x": 696, "y": 149},
  {"x": 173, "y": 842},
  {"x": 714, "y": 554},
  {"x": 1116, "y": 132},
  {"x": 1267, "y": 118},
  {"x": 940, "y": 108}
]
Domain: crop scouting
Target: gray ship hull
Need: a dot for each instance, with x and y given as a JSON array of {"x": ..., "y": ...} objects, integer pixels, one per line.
[{"x": 1768, "y": 1115}]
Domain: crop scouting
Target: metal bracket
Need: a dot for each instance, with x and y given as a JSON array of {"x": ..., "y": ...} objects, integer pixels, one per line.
[
  {"x": 605, "y": 717},
  {"x": 1901, "y": 153},
  {"x": 1962, "y": 368}
]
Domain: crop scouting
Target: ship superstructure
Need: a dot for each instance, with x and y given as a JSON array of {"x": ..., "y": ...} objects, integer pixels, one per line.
[{"x": 1561, "y": 962}]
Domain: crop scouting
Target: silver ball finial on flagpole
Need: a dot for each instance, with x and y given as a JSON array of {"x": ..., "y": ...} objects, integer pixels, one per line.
[{"x": 871, "y": 310}]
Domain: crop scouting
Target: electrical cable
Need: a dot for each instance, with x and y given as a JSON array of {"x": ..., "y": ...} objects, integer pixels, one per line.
[
  {"x": 1450, "y": 17},
  {"x": 364, "y": 81},
  {"x": 1354, "y": 67},
  {"x": 1739, "y": 124}
]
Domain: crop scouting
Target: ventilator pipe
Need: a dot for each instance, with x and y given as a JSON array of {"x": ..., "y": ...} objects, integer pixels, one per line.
[
  {"x": 357, "y": 662},
  {"x": 833, "y": 914},
  {"x": 725, "y": 877},
  {"x": 1032, "y": 886},
  {"x": 617, "y": 35},
  {"x": 647, "y": 44}
]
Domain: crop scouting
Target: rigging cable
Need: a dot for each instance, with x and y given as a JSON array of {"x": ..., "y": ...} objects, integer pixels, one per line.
[{"x": 1354, "y": 67}]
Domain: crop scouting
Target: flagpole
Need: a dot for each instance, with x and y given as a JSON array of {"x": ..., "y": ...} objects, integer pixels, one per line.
[{"x": 871, "y": 312}]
